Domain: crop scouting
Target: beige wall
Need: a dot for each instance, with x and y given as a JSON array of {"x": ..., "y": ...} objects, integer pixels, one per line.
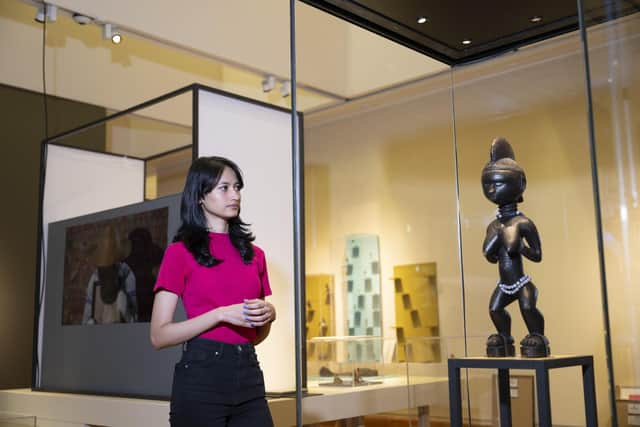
[
  {"x": 255, "y": 34},
  {"x": 80, "y": 63},
  {"x": 81, "y": 66}
]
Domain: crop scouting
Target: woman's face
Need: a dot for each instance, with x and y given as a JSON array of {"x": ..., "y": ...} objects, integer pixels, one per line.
[
  {"x": 502, "y": 187},
  {"x": 223, "y": 201}
]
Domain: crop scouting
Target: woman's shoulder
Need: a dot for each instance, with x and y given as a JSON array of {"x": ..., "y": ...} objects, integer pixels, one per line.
[
  {"x": 259, "y": 253},
  {"x": 176, "y": 249}
]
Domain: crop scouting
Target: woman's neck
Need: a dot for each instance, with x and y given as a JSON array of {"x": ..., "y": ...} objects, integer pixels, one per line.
[{"x": 217, "y": 226}]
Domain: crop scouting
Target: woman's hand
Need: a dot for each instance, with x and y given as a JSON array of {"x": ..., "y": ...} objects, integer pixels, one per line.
[
  {"x": 235, "y": 315},
  {"x": 258, "y": 312}
]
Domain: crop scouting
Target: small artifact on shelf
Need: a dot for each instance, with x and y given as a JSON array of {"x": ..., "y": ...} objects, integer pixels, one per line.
[
  {"x": 363, "y": 372},
  {"x": 323, "y": 328},
  {"x": 327, "y": 298},
  {"x": 357, "y": 376}
]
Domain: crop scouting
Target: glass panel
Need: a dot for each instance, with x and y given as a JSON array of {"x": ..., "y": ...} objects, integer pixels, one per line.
[
  {"x": 614, "y": 57},
  {"x": 381, "y": 254},
  {"x": 535, "y": 99},
  {"x": 428, "y": 379}
]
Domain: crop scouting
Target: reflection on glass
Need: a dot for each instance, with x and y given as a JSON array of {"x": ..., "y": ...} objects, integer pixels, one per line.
[{"x": 615, "y": 87}]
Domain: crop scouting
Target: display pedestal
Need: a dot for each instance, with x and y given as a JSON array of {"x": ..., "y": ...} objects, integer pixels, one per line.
[{"x": 541, "y": 367}]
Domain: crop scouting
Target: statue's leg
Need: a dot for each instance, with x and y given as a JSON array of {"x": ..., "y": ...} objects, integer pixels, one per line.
[
  {"x": 535, "y": 344},
  {"x": 527, "y": 298},
  {"x": 500, "y": 344},
  {"x": 499, "y": 316}
]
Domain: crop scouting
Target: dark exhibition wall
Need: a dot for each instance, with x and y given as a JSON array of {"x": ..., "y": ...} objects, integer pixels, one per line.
[{"x": 22, "y": 124}]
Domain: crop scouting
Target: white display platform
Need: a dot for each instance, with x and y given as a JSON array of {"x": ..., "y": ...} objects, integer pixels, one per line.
[
  {"x": 337, "y": 403},
  {"x": 330, "y": 403}
]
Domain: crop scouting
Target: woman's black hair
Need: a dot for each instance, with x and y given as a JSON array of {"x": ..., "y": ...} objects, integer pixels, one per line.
[{"x": 203, "y": 176}]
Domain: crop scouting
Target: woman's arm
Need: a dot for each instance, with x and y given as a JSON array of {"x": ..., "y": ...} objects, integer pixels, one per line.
[{"x": 165, "y": 332}]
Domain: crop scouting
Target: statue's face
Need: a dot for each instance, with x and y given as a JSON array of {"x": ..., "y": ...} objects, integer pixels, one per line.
[{"x": 502, "y": 186}]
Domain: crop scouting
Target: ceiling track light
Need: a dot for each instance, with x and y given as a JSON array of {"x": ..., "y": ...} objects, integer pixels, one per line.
[
  {"x": 46, "y": 12},
  {"x": 466, "y": 42},
  {"x": 285, "y": 88},
  {"x": 110, "y": 32},
  {"x": 423, "y": 20},
  {"x": 535, "y": 19},
  {"x": 82, "y": 19},
  {"x": 268, "y": 83}
]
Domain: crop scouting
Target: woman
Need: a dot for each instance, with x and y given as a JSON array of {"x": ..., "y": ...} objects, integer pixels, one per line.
[{"x": 222, "y": 280}]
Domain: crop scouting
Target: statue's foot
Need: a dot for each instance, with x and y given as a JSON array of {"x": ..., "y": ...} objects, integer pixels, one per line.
[
  {"x": 499, "y": 345},
  {"x": 535, "y": 345}
]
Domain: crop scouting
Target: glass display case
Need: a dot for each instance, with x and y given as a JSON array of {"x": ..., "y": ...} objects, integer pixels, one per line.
[
  {"x": 350, "y": 361},
  {"x": 404, "y": 163}
]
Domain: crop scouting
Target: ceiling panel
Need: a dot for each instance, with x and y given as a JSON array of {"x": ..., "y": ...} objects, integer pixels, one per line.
[{"x": 459, "y": 31}]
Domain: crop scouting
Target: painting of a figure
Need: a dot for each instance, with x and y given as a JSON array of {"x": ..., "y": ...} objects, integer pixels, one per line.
[{"x": 110, "y": 268}]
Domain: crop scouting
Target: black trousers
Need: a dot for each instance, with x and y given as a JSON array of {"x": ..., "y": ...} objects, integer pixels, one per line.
[{"x": 218, "y": 385}]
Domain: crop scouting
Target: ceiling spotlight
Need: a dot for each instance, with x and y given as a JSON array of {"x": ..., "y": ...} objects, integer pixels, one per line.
[
  {"x": 112, "y": 33},
  {"x": 466, "y": 42},
  {"x": 423, "y": 20},
  {"x": 40, "y": 14},
  {"x": 82, "y": 19},
  {"x": 268, "y": 83},
  {"x": 285, "y": 88},
  {"x": 46, "y": 12},
  {"x": 535, "y": 19}
]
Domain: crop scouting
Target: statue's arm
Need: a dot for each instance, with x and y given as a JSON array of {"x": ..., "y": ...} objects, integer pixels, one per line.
[
  {"x": 491, "y": 245},
  {"x": 532, "y": 250}
]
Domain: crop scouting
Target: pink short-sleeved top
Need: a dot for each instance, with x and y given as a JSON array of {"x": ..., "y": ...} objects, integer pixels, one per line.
[{"x": 205, "y": 288}]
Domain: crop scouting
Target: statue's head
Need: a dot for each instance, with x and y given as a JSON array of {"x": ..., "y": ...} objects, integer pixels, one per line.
[{"x": 503, "y": 180}]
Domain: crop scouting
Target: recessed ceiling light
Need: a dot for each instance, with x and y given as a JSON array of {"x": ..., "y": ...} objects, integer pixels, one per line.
[
  {"x": 466, "y": 42},
  {"x": 423, "y": 20},
  {"x": 535, "y": 19}
]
